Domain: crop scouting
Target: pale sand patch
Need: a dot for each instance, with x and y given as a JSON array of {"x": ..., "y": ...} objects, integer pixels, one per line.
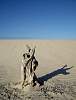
[{"x": 51, "y": 55}]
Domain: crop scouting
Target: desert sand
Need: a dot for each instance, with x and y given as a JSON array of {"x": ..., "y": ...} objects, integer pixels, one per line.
[{"x": 52, "y": 55}]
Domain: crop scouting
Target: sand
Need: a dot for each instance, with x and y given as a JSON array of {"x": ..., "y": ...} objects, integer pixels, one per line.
[{"x": 52, "y": 56}]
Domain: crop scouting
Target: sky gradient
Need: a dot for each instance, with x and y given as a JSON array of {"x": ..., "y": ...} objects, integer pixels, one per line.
[{"x": 38, "y": 19}]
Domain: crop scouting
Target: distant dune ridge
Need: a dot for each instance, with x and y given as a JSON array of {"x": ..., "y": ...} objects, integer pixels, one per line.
[{"x": 56, "y": 69}]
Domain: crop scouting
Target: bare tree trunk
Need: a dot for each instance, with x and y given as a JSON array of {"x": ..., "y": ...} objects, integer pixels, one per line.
[{"x": 28, "y": 68}]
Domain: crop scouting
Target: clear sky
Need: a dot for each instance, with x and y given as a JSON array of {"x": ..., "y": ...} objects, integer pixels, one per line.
[{"x": 38, "y": 19}]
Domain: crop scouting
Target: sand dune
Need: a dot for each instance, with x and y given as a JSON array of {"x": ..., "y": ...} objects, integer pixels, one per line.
[{"x": 52, "y": 55}]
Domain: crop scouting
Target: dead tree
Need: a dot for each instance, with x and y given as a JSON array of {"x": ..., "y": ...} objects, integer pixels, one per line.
[{"x": 29, "y": 66}]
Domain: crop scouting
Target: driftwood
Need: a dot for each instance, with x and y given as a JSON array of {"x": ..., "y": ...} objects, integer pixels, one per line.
[{"x": 29, "y": 66}]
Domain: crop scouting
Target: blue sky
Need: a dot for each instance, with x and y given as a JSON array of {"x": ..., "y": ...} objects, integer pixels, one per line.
[{"x": 38, "y": 19}]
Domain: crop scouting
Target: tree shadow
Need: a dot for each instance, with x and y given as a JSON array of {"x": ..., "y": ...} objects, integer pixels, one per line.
[{"x": 62, "y": 70}]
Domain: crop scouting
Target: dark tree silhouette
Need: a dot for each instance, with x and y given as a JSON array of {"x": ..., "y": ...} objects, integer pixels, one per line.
[{"x": 62, "y": 70}]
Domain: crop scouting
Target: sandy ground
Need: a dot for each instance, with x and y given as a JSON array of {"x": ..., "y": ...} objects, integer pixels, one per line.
[{"x": 52, "y": 55}]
